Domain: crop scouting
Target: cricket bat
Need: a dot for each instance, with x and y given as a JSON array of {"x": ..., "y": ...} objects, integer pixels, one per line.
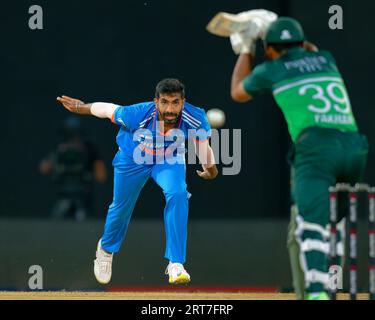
[{"x": 224, "y": 24}]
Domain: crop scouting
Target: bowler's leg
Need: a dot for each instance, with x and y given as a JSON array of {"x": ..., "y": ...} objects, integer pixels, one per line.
[
  {"x": 172, "y": 179},
  {"x": 128, "y": 182}
]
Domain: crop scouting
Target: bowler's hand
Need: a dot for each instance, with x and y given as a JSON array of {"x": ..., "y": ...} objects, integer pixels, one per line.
[
  {"x": 71, "y": 104},
  {"x": 208, "y": 173}
]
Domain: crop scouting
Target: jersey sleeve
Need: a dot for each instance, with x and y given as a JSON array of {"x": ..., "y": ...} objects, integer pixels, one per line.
[
  {"x": 257, "y": 82},
  {"x": 129, "y": 116}
]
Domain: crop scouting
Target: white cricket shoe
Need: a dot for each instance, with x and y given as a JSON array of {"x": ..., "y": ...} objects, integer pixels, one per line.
[
  {"x": 177, "y": 273},
  {"x": 103, "y": 265}
]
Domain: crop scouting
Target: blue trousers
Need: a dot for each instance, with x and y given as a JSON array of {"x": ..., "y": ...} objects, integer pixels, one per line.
[{"x": 129, "y": 179}]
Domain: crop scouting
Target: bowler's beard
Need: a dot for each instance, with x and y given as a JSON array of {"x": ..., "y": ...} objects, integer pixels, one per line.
[{"x": 168, "y": 114}]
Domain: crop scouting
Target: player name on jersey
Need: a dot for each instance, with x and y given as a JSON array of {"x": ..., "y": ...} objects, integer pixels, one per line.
[{"x": 334, "y": 118}]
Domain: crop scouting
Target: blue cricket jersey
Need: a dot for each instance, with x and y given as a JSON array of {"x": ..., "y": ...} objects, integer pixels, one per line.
[{"x": 140, "y": 129}]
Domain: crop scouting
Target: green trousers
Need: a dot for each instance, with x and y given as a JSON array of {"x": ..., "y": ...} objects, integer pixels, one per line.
[{"x": 320, "y": 158}]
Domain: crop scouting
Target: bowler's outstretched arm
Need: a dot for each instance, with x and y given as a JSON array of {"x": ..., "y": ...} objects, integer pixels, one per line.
[
  {"x": 98, "y": 109},
  {"x": 207, "y": 159}
]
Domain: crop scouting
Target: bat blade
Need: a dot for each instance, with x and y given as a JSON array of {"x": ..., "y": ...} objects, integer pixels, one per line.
[{"x": 223, "y": 24}]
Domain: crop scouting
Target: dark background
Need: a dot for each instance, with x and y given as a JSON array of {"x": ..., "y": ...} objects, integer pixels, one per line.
[{"x": 117, "y": 51}]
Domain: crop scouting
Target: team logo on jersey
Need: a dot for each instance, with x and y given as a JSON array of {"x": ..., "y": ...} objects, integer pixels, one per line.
[{"x": 285, "y": 35}]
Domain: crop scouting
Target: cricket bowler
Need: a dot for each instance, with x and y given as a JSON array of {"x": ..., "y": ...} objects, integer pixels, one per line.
[
  {"x": 151, "y": 143},
  {"x": 327, "y": 147}
]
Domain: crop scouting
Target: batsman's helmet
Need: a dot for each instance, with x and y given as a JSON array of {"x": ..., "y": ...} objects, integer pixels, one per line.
[{"x": 284, "y": 30}]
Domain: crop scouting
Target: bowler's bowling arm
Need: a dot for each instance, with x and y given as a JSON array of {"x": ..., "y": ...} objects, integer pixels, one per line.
[
  {"x": 207, "y": 159},
  {"x": 97, "y": 109}
]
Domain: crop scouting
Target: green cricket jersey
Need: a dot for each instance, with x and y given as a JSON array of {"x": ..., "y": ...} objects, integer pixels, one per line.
[{"x": 308, "y": 88}]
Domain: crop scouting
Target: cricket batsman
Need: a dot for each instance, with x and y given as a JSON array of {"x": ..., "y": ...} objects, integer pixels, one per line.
[
  {"x": 151, "y": 143},
  {"x": 327, "y": 147}
]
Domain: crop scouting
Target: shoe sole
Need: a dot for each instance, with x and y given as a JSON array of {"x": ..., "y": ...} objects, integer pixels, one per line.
[{"x": 179, "y": 280}]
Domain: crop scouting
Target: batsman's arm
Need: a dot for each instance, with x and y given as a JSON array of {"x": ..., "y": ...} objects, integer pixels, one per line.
[
  {"x": 242, "y": 69},
  {"x": 97, "y": 109},
  {"x": 207, "y": 159}
]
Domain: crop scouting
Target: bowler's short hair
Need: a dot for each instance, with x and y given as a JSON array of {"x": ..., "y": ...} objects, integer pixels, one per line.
[{"x": 170, "y": 86}]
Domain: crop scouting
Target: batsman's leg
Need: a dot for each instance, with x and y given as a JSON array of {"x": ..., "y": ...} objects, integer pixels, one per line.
[
  {"x": 323, "y": 157},
  {"x": 298, "y": 276}
]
